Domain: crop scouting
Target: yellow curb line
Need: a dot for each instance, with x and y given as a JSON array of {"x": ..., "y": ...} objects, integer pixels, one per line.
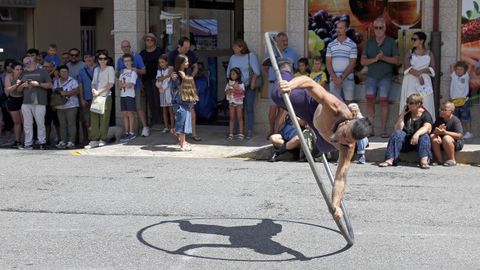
[{"x": 74, "y": 152}]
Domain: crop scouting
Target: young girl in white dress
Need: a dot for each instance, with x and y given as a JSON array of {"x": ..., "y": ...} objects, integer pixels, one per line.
[{"x": 163, "y": 85}]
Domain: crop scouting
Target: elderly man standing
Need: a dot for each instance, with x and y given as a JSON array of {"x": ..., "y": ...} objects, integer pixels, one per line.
[
  {"x": 150, "y": 56},
  {"x": 380, "y": 55},
  {"x": 340, "y": 60},
  {"x": 139, "y": 67},
  {"x": 35, "y": 86},
  {"x": 447, "y": 134},
  {"x": 287, "y": 53}
]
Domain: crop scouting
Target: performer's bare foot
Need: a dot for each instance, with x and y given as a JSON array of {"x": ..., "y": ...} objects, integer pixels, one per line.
[{"x": 337, "y": 215}]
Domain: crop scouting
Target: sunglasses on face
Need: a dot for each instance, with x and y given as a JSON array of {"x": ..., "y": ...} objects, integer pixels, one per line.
[
  {"x": 378, "y": 27},
  {"x": 102, "y": 58},
  {"x": 148, "y": 39},
  {"x": 412, "y": 103},
  {"x": 73, "y": 55}
]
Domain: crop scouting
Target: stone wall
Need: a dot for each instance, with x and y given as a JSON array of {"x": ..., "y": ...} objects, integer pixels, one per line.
[{"x": 129, "y": 24}]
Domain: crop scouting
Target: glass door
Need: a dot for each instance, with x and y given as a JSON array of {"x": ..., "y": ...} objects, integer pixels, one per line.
[{"x": 210, "y": 26}]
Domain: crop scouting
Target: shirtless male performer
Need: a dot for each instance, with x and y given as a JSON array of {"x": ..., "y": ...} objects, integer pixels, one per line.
[{"x": 334, "y": 125}]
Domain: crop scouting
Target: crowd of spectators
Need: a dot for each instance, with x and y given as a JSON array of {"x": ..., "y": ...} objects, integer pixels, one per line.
[{"x": 45, "y": 92}]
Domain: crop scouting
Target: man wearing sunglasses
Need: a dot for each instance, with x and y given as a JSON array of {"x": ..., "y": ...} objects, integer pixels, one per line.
[
  {"x": 35, "y": 85},
  {"x": 380, "y": 55},
  {"x": 75, "y": 64}
]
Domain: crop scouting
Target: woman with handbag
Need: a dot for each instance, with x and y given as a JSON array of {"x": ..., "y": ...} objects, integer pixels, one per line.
[
  {"x": 248, "y": 64},
  {"x": 67, "y": 113},
  {"x": 103, "y": 80}
]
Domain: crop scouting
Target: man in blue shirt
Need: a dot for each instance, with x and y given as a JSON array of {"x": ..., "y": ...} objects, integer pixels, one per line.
[
  {"x": 85, "y": 77},
  {"x": 139, "y": 67},
  {"x": 274, "y": 111}
]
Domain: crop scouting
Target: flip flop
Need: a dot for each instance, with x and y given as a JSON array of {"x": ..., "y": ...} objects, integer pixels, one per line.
[
  {"x": 385, "y": 164},
  {"x": 424, "y": 166},
  {"x": 449, "y": 163},
  {"x": 196, "y": 138}
]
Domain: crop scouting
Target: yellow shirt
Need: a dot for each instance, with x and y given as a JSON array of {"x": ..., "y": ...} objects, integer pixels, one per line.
[
  {"x": 298, "y": 74},
  {"x": 318, "y": 77}
]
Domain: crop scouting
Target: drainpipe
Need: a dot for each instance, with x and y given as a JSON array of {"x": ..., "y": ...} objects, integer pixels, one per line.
[
  {"x": 147, "y": 16},
  {"x": 436, "y": 45}
]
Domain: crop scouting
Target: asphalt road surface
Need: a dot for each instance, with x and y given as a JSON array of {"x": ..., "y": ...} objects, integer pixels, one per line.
[{"x": 60, "y": 211}]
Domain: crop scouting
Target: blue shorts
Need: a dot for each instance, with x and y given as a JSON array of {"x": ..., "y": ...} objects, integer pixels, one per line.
[
  {"x": 348, "y": 85},
  {"x": 375, "y": 87},
  {"x": 288, "y": 132},
  {"x": 463, "y": 112},
  {"x": 127, "y": 104}
]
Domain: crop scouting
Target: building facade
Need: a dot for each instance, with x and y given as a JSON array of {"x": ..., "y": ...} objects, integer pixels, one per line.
[
  {"x": 82, "y": 24},
  {"x": 212, "y": 24}
]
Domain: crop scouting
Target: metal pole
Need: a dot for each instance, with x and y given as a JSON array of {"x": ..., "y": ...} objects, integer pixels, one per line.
[{"x": 347, "y": 230}]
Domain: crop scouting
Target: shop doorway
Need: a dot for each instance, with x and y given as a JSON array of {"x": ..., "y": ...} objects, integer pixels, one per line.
[{"x": 211, "y": 26}]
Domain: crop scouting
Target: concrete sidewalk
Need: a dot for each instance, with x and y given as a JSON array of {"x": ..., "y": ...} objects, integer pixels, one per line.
[{"x": 215, "y": 145}]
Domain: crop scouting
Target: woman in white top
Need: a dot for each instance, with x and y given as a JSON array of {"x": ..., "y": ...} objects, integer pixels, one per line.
[
  {"x": 102, "y": 82},
  {"x": 418, "y": 66},
  {"x": 67, "y": 113}
]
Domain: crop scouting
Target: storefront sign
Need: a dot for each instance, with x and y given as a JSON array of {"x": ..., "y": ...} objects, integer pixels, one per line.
[
  {"x": 18, "y": 3},
  {"x": 169, "y": 27}
]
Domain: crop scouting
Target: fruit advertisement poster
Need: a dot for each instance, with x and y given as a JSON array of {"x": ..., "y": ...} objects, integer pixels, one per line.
[
  {"x": 399, "y": 15},
  {"x": 470, "y": 37}
]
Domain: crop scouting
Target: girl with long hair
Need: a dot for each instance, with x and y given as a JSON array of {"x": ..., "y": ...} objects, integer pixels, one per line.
[{"x": 185, "y": 99}]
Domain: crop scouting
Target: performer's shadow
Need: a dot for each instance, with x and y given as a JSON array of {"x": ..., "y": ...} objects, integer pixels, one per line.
[{"x": 256, "y": 237}]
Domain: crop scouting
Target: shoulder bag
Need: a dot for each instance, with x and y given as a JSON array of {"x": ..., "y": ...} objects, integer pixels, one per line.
[
  {"x": 57, "y": 99},
  {"x": 98, "y": 102}
]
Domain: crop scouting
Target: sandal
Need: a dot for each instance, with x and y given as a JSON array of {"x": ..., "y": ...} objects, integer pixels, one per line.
[
  {"x": 424, "y": 166},
  {"x": 240, "y": 137},
  {"x": 449, "y": 163},
  {"x": 230, "y": 137},
  {"x": 186, "y": 148},
  {"x": 385, "y": 164},
  {"x": 196, "y": 138}
]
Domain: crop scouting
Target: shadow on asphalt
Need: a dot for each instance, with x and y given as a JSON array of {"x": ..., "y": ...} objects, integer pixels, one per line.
[{"x": 256, "y": 237}]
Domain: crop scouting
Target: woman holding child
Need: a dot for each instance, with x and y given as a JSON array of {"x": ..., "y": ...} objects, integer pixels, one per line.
[
  {"x": 248, "y": 64},
  {"x": 418, "y": 66}
]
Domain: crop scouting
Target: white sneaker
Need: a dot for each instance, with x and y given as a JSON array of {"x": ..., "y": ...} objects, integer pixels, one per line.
[
  {"x": 70, "y": 145},
  {"x": 101, "y": 143},
  {"x": 145, "y": 132},
  {"x": 61, "y": 145},
  {"x": 91, "y": 145},
  {"x": 467, "y": 135},
  {"x": 166, "y": 130}
]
